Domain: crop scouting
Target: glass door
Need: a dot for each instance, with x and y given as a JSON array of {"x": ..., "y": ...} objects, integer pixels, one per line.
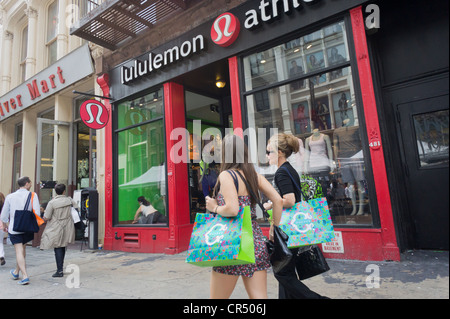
[{"x": 54, "y": 156}]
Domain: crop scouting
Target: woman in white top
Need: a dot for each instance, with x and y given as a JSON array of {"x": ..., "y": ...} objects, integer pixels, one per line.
[
  {"x": 320, "y": 153},
  {"x": 150, "y": 215}
]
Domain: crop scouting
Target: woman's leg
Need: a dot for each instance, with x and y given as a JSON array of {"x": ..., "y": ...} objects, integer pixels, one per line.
[
  {"x": 256, "y": 286},
  {"x": 59, "y": 257},
  {"x": 222, "y": 285}
]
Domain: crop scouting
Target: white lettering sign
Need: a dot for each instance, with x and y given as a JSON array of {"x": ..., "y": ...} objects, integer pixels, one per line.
[
  {"x": 335, "y": 246},
  {"x": 157, "y": 61}
]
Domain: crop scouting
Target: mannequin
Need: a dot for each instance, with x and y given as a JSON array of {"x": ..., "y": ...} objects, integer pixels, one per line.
[
  {"x": 347, "y": 147},
  {"x": 319, "y": 155}
]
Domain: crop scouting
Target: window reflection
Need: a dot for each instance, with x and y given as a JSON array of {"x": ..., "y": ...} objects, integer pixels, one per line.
[
  {"x": 308, "y": 54},
  {"x": 318, "y": 106},
  {"x": 432, "y": 137}
]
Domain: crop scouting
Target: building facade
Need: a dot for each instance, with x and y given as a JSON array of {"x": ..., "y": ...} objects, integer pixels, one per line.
[
  {"x": 41, "y": 133},
  {"x": 334, "y": 73},
  {"x": 366, "y": 96}
]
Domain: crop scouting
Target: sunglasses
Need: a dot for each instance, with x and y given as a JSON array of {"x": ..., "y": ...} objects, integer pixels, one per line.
[{"x": 269, "y": 152}]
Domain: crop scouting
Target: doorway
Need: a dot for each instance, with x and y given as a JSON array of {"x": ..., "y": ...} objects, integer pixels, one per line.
[
  {"x": 424, "y": 134},
  {"x": 208, "y": 113},
  {"x": 53, "y": 156}
]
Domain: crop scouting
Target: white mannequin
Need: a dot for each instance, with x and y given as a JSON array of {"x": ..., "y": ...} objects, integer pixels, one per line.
[
  {"x": 319, "y": 155},
  {"x": 338, "y": 138}
]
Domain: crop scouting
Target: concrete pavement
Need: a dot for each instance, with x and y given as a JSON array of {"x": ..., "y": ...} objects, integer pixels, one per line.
[{"x": 119, "y": 275}]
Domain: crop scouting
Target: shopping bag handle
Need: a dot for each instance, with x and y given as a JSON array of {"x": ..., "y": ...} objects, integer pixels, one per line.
[{"x": 28, "y": 202}]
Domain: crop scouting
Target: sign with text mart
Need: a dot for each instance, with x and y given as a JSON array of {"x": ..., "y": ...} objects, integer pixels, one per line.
[{"x": 70, "y": 69}]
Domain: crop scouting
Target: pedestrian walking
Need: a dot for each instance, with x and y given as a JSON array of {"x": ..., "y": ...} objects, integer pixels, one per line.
[
  {"x": 13, "y": 202},
  {"x": 60, "y": 229},
  {"x": 231, "y": 194},
  {"x": 279, "y": 148},
  {"x": 2, "y": 234}
]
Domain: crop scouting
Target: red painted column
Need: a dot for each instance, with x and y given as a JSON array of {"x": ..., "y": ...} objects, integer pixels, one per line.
[
  {"x": 103, "y": 81},
  {"x": 177, "y": 173},
  {"x": 388, "y": 236},
  {"x": 235, "y": 94}
]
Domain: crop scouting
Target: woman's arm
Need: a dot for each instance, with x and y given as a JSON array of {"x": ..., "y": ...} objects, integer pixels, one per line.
[
  {"x": 230, "y": 196},
  {"x": 136, "y": 216},
  {"x": 275, "y": 198},
  {"x": 288, "y": 201}
]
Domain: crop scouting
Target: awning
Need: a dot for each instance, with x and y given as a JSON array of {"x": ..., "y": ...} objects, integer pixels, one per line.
[{"x": 115, "y": 21}]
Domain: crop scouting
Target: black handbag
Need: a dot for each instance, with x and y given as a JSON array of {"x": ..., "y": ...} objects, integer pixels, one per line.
[
  {"x": 279, "y": 253},
  {"x": 25, "y": 220},
  {"x": 310, "y": 263}
]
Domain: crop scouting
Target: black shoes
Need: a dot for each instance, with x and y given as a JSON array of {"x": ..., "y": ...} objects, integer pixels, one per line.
[
  {"x": 58, "y": 274},
  {"x": 2, "y": 261}
]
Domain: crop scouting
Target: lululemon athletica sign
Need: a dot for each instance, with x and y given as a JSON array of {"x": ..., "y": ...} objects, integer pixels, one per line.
[
  {"x": 223, "y": 32},
  {"x": 225, "y": 29},
  {"x": 94, "y": 114}
]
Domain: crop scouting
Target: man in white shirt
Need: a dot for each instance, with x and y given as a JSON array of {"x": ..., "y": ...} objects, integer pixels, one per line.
[{"x": 13, "y": 202}]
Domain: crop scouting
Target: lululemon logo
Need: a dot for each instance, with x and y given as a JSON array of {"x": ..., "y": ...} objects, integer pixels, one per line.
[
  {"x": 225, "y": 29},
  {"x": 94, "y": 114}
]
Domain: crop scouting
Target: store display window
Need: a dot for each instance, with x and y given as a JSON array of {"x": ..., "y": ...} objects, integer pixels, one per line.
[
  {"x": 140, "y": 161},
  {"x": 305, "y": 87}
]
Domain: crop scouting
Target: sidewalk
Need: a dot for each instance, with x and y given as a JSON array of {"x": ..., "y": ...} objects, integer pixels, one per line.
[{"x": 120, "y": 275}]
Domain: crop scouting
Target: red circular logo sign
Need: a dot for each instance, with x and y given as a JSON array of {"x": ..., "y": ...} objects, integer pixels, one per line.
[
  {"x": 225, "y": 29},
  {"x": 94, "y": 114}
]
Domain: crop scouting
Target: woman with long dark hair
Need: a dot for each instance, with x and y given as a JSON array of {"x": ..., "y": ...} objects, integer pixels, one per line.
[{"x": 232, "y": 194}]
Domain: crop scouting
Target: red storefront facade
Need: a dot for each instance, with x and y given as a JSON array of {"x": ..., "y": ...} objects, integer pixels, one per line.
[{"x": 370, "y": 234}]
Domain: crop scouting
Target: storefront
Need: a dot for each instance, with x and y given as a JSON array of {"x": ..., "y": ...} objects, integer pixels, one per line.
[
  {"x": 41, "y": 133},
  {"x": 302, "y": 67}
]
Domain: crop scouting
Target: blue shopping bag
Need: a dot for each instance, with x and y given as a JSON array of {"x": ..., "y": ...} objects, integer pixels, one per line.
[
  {"x": 307, "y": 223},
  {"x": 222, "y": 241}
]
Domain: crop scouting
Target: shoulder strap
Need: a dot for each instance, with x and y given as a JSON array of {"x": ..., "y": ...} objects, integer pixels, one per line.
[
  {"x": 295, "y": 183},
  {"x": 32, "y": 197},
  {"x": 235, "y": 179},
  {"x": 265, "y": 213},
  {"x": 28, "y": 202},
  {"x": 236, "y": 183}
]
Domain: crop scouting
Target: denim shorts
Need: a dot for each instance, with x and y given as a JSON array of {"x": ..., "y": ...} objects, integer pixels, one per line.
[{"x": 21, "y": 238}]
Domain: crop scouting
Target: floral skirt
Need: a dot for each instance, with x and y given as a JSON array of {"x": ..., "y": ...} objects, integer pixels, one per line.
[{"x": 261, "y": 257}]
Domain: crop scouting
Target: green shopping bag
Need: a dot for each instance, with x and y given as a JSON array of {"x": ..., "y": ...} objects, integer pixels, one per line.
[{"x": 222, "y": 241}]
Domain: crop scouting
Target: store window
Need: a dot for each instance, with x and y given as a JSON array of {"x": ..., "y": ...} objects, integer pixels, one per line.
[
  {"x": 316, "y": 103},
  {"x": 140, "y": 161},
  {"x": 432, "y": 138}
]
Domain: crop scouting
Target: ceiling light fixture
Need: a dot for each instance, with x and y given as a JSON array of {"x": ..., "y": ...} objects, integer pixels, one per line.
[{"x": 220, "y": 84}]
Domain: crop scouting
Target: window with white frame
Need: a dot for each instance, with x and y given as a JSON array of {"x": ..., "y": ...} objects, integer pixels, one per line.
[
  {"x": 52, "y": 31},
  {"x": 23, "y": 54}
]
